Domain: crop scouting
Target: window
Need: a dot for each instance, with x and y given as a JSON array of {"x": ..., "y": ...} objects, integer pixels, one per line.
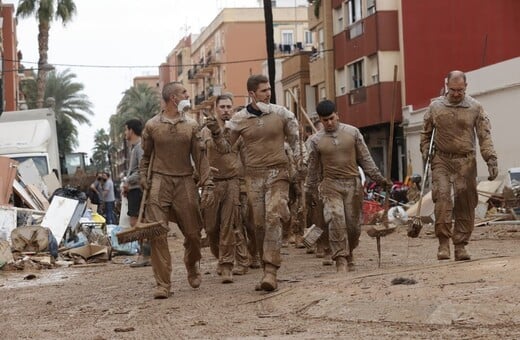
[
  {"x": 354, "y": 18},
  {"x": 337, "y": 17},
  {"x": 321, "y": 38},
  {"x": 287, "y": 40},
  {"x": 371, "y": 7},
  {"x": 355, "y": 72},
  {"x": 354, "y": 11},
  {"x": 307, "y": 37},
  {"x": 341, "y": 82}
]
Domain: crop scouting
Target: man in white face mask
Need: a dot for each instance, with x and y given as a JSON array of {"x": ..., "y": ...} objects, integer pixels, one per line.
[
  {"x": 264, "y": 128},
  {"x": 170, "y": 140}
]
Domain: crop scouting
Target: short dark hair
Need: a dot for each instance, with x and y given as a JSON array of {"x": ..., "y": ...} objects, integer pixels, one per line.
[
  {"x": 135, "y": 125},
  {"x": 325, "y": 108},
  {"x": 255, "y": 80},
  {"x": 224, "y": 97},
  {"x": 170, "y": 89}
]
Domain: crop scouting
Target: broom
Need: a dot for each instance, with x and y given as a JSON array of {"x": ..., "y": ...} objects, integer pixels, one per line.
[
  {"x": 143, "y": 230},
  {"x": 386, "y": 229},
  {"x": 415, "y": 227}
]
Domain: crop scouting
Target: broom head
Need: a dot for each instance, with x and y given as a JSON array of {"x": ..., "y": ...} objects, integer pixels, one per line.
[
  {"x": 142, "y": 231},
  {"x": 380, "y": 230},
  {"x": 414, "y": 228}
]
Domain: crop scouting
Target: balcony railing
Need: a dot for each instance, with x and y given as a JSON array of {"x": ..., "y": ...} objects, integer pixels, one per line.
[{"x": 357, "y": 96}]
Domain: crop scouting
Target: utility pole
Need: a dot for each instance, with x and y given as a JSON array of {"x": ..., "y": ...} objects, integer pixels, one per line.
[{"x": 269, "y": 38}]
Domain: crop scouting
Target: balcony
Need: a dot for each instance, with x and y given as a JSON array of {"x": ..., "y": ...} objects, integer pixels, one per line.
[
  {"x": 317, "y": 70},
  {"x": 313, "y": 21},
  {"x": 357, "y": 96},
  {"x": 191, "y": 75}
]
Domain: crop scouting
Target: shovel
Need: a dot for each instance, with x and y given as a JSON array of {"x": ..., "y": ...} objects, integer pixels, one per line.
[{"x": 414, "y": 229}]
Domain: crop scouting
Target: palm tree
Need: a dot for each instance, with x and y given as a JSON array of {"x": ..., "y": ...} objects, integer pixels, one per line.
[
  {"x": 45, "y": 11},
  {"x": 141, "y": 101},
  {"x": 101, "y": 152},
  {"x": 71, "y": 106}
]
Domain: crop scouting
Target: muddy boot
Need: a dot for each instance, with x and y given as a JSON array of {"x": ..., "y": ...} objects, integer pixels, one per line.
[
  {"x": 240, "y": 270},
  {"x": 310, "y": 250},
  {"x": 298, "y": 242},
  {"x": 161, "y": 293},
  {"x": 461, "y": 254},
  {"x": 255, "y": 263},
  {"x": 341, "y": 265},
  {"x": 327, "y": 260},
  {"x": 350, "y": 263},
  {"x": 227, "y": 275},
  {"x": 269, "y": 282},
  {"x": 194, "y": 277},
  {"x": 444, "y": 249},
  {"x": 285, "y": 242},
  {"x": 320, "y": 252},
  {"x": 219, "y": 269}
]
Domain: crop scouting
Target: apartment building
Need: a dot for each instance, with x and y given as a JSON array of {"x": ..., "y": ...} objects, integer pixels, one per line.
[
  {"x": 425, "y": 39},
  {"x": 231, "y": 48},
  {"x": 11, "y": 97}
]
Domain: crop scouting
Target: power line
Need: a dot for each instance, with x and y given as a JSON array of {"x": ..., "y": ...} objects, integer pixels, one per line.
[{"x": 159, "y": 66}]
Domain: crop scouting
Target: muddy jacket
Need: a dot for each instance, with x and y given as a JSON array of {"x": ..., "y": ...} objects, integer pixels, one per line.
[
  {"x": 227, "y": 162},
  {"x": 337, "y": 155},
  {"x": 456, "y": 126},
  {"x": 175, "y": 143},
  {"x": 263, "y": 142}
]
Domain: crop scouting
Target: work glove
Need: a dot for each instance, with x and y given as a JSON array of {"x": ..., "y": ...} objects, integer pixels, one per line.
[
  {"x": 212, "y": 124},
  {"x": 207, "y": 197},
  {"x": 385, "y": 184},
  {"x": 492, "y": 168}
]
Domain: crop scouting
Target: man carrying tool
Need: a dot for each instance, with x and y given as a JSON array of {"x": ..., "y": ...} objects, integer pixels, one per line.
[
  {"x": 264, "y": 128},
  {"x": 457, "y": 120},
  {"x": 131, "y": 185},
  {"x": 336, "y": 151},
  {"x": 170, "y": 141},
  {"x": 221, "y": 217}
]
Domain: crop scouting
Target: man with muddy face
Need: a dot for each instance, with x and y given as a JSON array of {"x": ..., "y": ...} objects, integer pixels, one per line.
[
  {"x": 335, "y": 153},
  {"x": 264, "y": 128},
  {"x": 458, "y": 120},
  {"x": 170, "y": 140},
  {"x": 221, "y": 221}
]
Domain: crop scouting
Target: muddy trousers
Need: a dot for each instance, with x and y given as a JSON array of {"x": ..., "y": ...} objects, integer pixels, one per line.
[
  {"x": 459, "y": 174},
  {"x": 268, "y": 195},
  {"x": 315, "y": 216},
  {"x": 248, "y": 227},
  {"x": 219, "y": 220},
  {"x": 342, "y": 203},
  {"x": 175, "y": 198}
]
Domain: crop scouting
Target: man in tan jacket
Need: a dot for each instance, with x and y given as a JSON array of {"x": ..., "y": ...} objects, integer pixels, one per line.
[
  {"x": 170, "y": 140},
  {"x": 264, "y": 128},
  {"x": 458, "y": 120}
]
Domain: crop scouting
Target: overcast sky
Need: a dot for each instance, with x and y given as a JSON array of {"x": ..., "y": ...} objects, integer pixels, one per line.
[{"x": 110, "y": 38}]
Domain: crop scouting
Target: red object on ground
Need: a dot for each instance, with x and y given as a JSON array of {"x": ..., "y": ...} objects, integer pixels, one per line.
[{"x": 370, "y": 208}]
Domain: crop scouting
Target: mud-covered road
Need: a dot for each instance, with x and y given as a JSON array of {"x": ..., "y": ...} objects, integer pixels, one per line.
[{"x": 478, "y": 299}]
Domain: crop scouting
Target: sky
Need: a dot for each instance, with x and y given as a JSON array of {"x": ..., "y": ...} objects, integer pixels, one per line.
[{"x": 109, "y": 42}]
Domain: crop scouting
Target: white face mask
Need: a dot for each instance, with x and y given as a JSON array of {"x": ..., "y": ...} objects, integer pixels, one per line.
[
  {"x": 263, "y": 107},
  {"x": 184, "y": 106}
]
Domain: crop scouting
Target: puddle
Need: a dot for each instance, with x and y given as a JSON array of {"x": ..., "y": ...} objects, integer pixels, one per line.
[{"x": 10, "y": 280}]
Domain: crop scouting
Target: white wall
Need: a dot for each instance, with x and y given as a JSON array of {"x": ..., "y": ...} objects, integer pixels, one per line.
[{"x": 497, "y": 88}]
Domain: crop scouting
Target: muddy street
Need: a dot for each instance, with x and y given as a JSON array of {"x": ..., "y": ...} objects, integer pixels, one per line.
[{"x": 473, "y": 299}]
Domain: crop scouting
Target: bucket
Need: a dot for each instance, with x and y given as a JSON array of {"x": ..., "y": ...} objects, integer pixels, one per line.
[{"x": 311, "y": 236}]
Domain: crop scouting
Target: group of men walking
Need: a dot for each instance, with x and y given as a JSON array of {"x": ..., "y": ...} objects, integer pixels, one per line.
[{"x": 243, "y": 162}]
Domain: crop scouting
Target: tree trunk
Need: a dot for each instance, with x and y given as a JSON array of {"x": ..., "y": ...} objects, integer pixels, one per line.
[
  {"x": 43, "y": 48},
  {"x": 269, "y": 38}
]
